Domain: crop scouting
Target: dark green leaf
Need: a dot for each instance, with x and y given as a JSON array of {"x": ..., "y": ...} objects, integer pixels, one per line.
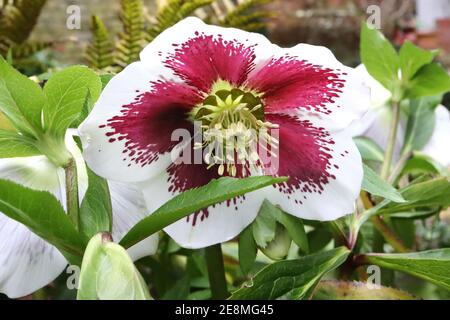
[
  {"x": 42, "y": 213},
  {"x": 294, "y": 225},
  {"x": 191, "y": 201},
  {"x": 96, "y": 209},
  {"x": 247, "y": 250},
  {"x": 432, "y": 266},
  {"x": 295, "y": 277},
  {"x": 264, "y": 225}
]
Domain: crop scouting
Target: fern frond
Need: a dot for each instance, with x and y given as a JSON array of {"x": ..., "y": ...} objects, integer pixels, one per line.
[
  {"x": 18, "y": 19},
  {"x": 27, "y": 49},
  {"x": 247, "y": 15},
  {"x": 132, "y": 38},
  {"x": 99, "y": 53},
  {"x": 173, "y": 12}
]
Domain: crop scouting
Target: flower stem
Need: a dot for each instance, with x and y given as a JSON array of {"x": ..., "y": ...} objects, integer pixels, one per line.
[
  {"x": 386, "y": 169},
  {"x": 216, "y": 272},
  {"x": 381, "y": 226},
  {"x": 72, "y": 192}
]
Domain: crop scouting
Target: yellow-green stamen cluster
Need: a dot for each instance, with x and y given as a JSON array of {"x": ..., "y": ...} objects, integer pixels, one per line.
[{"x": 233, "y": 128}]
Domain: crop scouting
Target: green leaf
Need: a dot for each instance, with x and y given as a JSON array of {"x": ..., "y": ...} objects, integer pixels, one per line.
[
  {"x": 432, "y": 266},
  {"x": 295, "y": 277},
  {"x": 264, "y": 225},
  {"x": 13, "y": 145},
  {"x": 413, "y": 58},
  {"x": 278, "y": 248},
  {"x": 108, "y": 273},
  {"x": 66, "y": 93},
  {"x": 21, "y": 99},
  {"x": 341, "y": 290},
  {"x": 373, "y": 184},
  {"x": 421, "y": 163},
  {"x": 379, "y": 57},
  {"x": 431, "y": 80},
  {"x": 294, "y": 225},
  {"x": 96, "y": 208},
  {"x": 319, "y": 238},
  {"x": 421, "y": 123},
  {"x": 42, "y": 213},
  {"x": 247, "y": 250},
  {"x": 369, "y": 149},
  {"x": 431, "y": 193},
  {"x": 193, "y": 200}
]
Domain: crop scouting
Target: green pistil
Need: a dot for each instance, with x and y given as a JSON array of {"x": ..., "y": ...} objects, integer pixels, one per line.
[{"x": 232, "y": 121}]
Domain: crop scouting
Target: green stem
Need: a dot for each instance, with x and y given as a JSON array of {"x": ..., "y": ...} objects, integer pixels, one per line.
[
  {"x": 386, "y": 169},
  {"x": 72, "y": 192},
  {"x": 216, "y": 272}
]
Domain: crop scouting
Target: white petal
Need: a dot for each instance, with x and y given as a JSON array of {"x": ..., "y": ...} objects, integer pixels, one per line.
[
  {"x": 224, "y": 222},
  {"x": 437, "y": 147},
  {"x": 27, "y": 263},
  {"x": 353, "y": 102},
  {"x": 379, "y": 94},
  {"x": 339, "y": 195},
  {"x": 156, "y": 51},
  {"x": 102, "y": 156},
  {"x": 34, "y": 172},
  {"x": 128, "y": 209}
]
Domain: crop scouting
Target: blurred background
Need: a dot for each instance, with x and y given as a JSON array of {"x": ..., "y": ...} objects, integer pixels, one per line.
[{"x": 333, "y": 23}]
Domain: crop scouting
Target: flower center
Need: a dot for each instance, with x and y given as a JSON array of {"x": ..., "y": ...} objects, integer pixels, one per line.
[{"x": 233, "y": 129}]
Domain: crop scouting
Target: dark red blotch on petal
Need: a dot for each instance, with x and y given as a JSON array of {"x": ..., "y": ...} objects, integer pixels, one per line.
[
  {"x": 204, "y": 59},
  {"x": 305, "y": 155},
  {"x": 288, "y": 83},
  {"x": 186, "y": 176},
  {"x": 147, "y": 124}
]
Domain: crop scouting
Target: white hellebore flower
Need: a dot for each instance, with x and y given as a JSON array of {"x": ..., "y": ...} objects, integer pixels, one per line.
[
  {"x": 376, "y": 123},
  {"x": 232, "y": 82},
  {"x": 27, "y": 262}
]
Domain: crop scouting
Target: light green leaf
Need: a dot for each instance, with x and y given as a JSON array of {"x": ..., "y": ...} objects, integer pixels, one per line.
[
  {"x": 432, "y": 266},
  {"x": 373, "y": 184},
  {"x": 421, "y": 163},
  {"x": 421, "y": 123},
  {"x": 96, "y": 208},
  {"x": 431, "y": 80},
  {"x": 412, "y": 58},
  {"x": 369, "y": 149},
  {"x": 298, "y": 278},
  {"x": 341, "y": 290},
  {"x": 66, "y": 93},
  {"x": 431, "y": 193},
  {"x": 21, "y": 99},
  {"x": 13, "y": 145},
  {"x": 293, "y": 225},
  {"x": 42, "y": 213},
  {"x": 264, "y": 225},
  {"x": 379, "y": 57},
  {"x": 108, "y": 273},
  {"x": 247, "y": 250},
  {"x": 278, "y": 248},
  {"x": 193, "y": 200}
]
